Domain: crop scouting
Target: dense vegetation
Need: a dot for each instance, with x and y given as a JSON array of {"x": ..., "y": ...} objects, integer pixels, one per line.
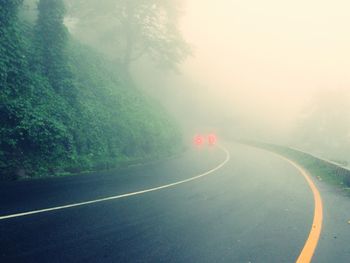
[{"x": 63, "y": 108}]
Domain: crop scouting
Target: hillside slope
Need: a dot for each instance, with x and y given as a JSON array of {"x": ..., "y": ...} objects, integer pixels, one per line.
[{"x": 73, "y": 114}]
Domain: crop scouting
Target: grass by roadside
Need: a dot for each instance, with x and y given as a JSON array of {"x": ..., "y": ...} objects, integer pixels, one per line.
[
  {"x": 117, "y": 166},
  {"x": 330, "y": 173}
]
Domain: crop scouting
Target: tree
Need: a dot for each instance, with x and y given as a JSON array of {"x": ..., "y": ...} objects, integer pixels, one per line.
[
  {"x": 149, "y": 27},
  {"x": 13, "y": 83},
  {"x": 9, "y": 41},
  {"x": 130, "y": 29},
  {"x": 28, "y": 12},
  {"x": 52, "y": 37},
  {"x": 8, "y": 11}
]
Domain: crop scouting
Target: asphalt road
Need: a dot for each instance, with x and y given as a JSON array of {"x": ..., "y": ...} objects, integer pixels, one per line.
[{"x": 255, "y": 208}]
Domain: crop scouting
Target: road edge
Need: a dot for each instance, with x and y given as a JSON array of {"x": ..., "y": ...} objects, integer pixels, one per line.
[
  {"x": 39, "y": 211},
  {"x": 311, "y": 242}
]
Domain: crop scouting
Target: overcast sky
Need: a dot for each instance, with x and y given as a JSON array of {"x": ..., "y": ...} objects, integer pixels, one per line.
[{"x": 267, "y": 58}]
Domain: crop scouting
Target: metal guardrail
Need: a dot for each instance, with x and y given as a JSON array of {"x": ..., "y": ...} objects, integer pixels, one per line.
[
  {"x": 308, "y": 160},
  {"x": 335, "y": 169},
  {"x": 320, "y": 158}
]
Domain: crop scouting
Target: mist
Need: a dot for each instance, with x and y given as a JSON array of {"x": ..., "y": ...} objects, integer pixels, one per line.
[
  {"x": 271, "y": 71},
  {"x": 274, "y": 62}
]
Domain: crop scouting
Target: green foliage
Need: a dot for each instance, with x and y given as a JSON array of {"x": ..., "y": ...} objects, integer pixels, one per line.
[
  {"x": 115, "y": 120},
  {"x": 28, "y": 11},
  {"x": 51, "y": 37},
  {"x": 8, "y": 11},
  {"x": 63, "y": 109},
  {"x": 12, "y": 56}
]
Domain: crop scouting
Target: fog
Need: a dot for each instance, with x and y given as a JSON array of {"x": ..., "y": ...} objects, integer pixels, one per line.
[
  {"x": 269, "y": 57},
  {"x": 269, "y": 70}
]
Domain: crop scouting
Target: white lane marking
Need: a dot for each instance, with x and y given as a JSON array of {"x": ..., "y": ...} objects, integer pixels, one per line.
[{"x": 123, "y": 195}]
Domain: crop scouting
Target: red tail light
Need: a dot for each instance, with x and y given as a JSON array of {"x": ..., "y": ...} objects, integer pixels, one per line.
[
  {"x": 212, "y": 139},
  {"x": 198, "y": 140}
]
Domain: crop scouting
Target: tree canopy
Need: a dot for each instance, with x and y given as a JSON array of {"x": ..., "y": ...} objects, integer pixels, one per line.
[
  {"x": 130, "y": 29},
  {"x": 52, "y": 37}
]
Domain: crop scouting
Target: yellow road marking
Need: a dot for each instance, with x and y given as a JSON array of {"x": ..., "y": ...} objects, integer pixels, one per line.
[
  {"x": 314, "y": 235},
  {"x": 315, "y": 232}
]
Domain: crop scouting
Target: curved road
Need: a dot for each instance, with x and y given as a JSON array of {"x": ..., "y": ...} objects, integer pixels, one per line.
[{"x": 256, "y": 207}]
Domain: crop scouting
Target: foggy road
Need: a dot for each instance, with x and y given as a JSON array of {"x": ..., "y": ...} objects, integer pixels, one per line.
[
  {"x": 91, "y": 85},
  {"x": 256, "y": 207}
]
